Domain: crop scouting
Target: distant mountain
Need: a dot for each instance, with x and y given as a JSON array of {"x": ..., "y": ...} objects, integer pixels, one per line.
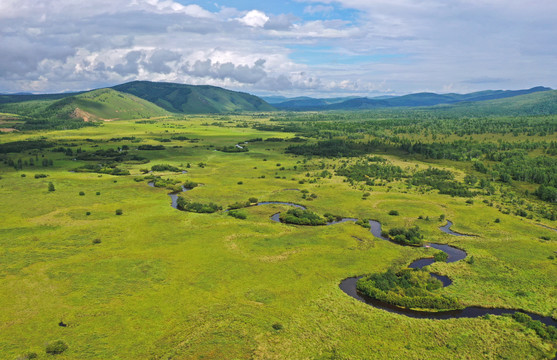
[
  {"x": 274, "y": 99},
  {"x": 411, "y": 100},
  {"x": 532, "y": 104},
  {"x": 21, "y": 97},
  {"x": 308, "y": 104},
  {"x": 191, "y": 99}
]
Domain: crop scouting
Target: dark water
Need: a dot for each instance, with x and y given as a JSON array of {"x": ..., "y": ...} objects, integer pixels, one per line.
[
  {"x": 375, "y": 229},
  {"x": 447, "y": 229},
  {"x": 343, "y": 220},
  {"x": 173, "y": 196}
]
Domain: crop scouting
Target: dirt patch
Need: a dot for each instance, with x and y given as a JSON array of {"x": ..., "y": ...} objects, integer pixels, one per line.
[
  {"x": 7, "y": 130},
  {"x": 87, "y": 117}
]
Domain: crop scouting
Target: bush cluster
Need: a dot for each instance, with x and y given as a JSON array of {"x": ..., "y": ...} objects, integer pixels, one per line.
[{"x": 409, "y": 288}]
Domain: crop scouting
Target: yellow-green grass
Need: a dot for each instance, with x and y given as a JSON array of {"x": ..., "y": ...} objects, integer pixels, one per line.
[{"x": 164, "y": 283}]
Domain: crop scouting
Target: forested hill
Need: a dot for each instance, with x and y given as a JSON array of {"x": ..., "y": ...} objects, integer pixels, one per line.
[
  {"x": 540, "y": 103},
  {"x": 410, "y": 100},
  {"x": 190, "y": 99}
]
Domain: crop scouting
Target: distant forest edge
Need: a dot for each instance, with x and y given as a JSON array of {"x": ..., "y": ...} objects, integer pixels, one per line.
[{"x": 144, "y": 99}]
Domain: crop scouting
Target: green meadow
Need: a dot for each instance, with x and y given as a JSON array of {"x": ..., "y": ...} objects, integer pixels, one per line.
[{"x": 159, "y": 283}]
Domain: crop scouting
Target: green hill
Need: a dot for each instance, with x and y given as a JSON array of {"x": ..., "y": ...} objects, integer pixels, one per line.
[
  {"x": 75, "y": 111},
  {"x": 105, "y": 104},
  {"x": 190, "y": 99},
  {"x": 538, "y": 103}
]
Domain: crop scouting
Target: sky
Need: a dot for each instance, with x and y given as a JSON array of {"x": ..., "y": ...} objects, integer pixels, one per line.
[{"x": 320, "y": 48}]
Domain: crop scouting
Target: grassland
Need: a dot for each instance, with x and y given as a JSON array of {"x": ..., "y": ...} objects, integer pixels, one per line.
[{"x": 168, "y": 284}]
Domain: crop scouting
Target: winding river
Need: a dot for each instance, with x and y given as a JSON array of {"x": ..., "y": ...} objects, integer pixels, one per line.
[{"x": 348, "y": 286}]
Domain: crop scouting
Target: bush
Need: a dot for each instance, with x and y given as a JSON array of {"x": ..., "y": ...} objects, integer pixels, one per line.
[
  {"x": 51, "y": 187},
  {"x": 238, "y": 214},
  {"x": 40, "y": 176},
  {"x": 164, "y": 167},
  {"x": 239, "y": 205},
  {"x": 403, "y": 236},
  {"x": 409, "y": 288},
  {"x": 393, "y": 213},
  {"x": 81, "y": 193},
  {"x": 277, "y": 326},
  {"x": 98, "y": 193},
  {"x": 88, "y": 213},
  {"x": 190, "y": 184},
  {"x": 497, "y": 220},
  {"x": 185, "y": 205},
  {"x": 253, "y": 200},
  {"x": 302, "y": 217},
  {"x": 56, "y": 347},
  {"x": 119, "y": 212},
  {"x": 96, "y": 241},
  {"x": 440, "y": 256}
]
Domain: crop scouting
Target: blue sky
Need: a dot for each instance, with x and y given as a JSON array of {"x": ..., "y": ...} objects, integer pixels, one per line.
[{"x": 291, "y": 48}]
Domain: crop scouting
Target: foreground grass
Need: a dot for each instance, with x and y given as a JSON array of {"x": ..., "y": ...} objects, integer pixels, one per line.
[{"x": 168, "y": 284}]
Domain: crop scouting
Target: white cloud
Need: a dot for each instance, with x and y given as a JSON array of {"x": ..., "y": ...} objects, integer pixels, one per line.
[
  {"x": 398, "y": 45},
  {"x": 254, "y": 18}
]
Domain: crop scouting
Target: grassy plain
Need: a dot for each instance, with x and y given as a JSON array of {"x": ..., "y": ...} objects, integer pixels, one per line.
[{"x": 165, "y": 284}]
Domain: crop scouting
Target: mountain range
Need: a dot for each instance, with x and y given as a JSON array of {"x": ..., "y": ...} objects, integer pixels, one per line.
[
  {"x": 411, "y": 100},
  {"x": 144, "y": 99}
]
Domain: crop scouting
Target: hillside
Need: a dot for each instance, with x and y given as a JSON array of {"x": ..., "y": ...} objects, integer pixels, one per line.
[
  {"x": 190, "y": 99},
  {"x": 410, "y": 100},
  {"x": 75, "y": 111},
  {"x": 539, "y": 103},
  {"x": 105, "y": 104}
]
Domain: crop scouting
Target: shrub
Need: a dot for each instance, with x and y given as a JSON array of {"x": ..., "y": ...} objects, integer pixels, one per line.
[
  {"x": 393, "y": 213},
  {"x": 240, "y": 182},
  {"x": 40, "y": 176},
  {"x": 164, "y": 167},
  {"x": 277, "y": 326},
  {"x": 497, "y": 220},
  {"x": 363, "y": 223},
  {"x": 253, "y": 200},
  {"x": 409, "y": 288},
  {"x": 190, "y": 184},
  {"x": 119, "y": 212},
  {"x": 185, "y": 205},
  {"x": 56, "y": 347},
  {"x": 51, "y": 187},
  {"x": 403, "y": 236},
  {"x": 238, "y": 214},
  {"x": 23, "y": 175},
  {"x": 88, "y": 213},
  {"x": 81, "y": 193},
  {"x": 302, "y": 217},
  {"x": 440, "y": 256},
  {"x": 239, "y": 205},
  {"x": 96, "y": 241},
  {"x": 98, "y": 193}
]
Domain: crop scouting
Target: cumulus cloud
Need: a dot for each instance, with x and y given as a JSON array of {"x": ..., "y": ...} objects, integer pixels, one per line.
[
  {"x": 159, "y": 59},
  {"x": 385, "y": 45},
  {"x": 255, "y": 18},
  {"x": 242, "y": 73}
]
